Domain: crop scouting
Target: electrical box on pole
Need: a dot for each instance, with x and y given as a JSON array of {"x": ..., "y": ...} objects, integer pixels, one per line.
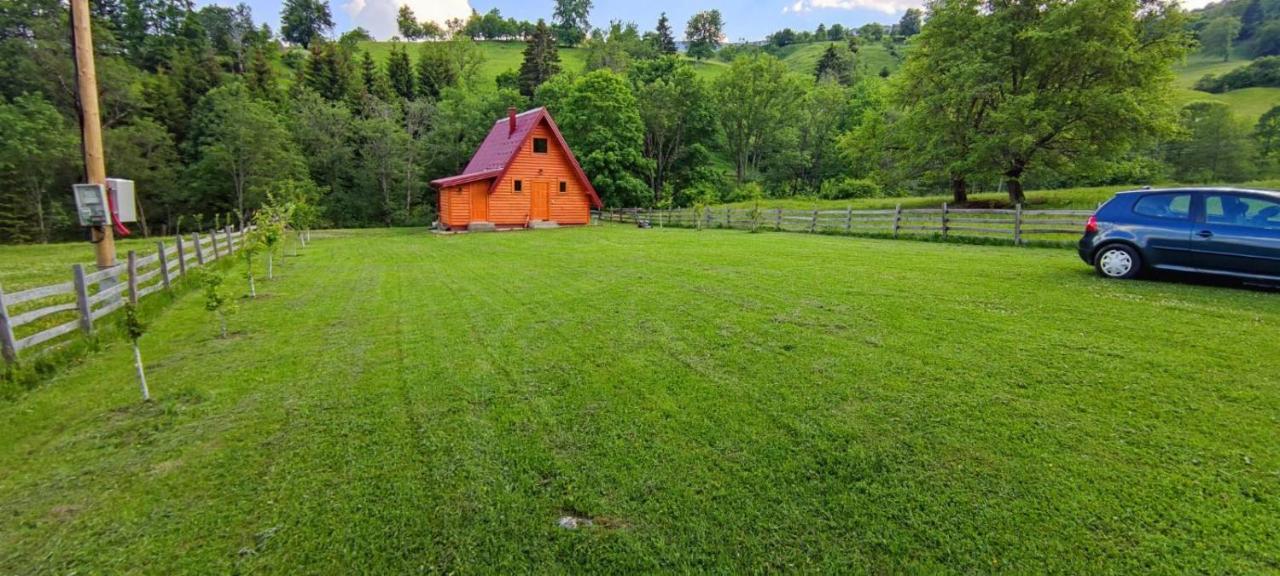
[{"x": 91, "y": 205}]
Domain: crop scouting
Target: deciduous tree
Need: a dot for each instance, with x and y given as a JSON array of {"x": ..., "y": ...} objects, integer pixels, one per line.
[
  {"x": 704, "y": 33},
  {"x": 302, "y": 21}
]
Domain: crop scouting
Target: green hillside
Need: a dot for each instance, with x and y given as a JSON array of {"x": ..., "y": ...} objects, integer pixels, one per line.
[
  {"x": 803, "y": 58},
  {"x": 503, "y": 56},
  {"x": 1248, "y": 103}
]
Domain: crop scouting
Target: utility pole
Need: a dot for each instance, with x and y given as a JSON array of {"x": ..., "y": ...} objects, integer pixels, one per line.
[{"x": 90, "y": 124}]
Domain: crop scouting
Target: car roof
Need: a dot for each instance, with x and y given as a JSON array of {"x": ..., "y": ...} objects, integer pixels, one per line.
[{"x": 1271, "y": 193}]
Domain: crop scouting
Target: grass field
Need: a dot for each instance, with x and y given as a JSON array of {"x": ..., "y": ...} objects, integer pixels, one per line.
[
  {"x": 715, "y": 401},
  {"x": 28, "y": 266},
  {"x": 1063, "y": 199}
]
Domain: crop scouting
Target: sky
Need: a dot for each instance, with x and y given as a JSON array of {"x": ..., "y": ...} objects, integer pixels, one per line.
[{"x": 744, "y": 19}]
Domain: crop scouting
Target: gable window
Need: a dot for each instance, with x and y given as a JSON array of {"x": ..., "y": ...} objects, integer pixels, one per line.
[
  {"x": 519, "y": 185},
  {"x": 539, "y": 145},
  {"x": 564, "y": 187}
]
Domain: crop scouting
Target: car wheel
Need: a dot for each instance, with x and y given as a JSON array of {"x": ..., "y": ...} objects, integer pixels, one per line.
[{"x": 1118, "y": 261}]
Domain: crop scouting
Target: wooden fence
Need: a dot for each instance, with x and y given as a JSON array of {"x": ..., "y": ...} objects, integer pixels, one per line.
[
  {"x": 1016, "y": 224},
  {"x": 89, "y": 296}
]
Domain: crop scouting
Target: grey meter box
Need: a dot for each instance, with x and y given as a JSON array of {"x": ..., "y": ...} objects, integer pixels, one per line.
[{"x": 91, "y": 204}]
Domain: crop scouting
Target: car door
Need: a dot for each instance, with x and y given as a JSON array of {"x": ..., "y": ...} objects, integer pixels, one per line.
[
  {"x": 1238, "y": 232},
  {"x": 1161, "y": 223}
]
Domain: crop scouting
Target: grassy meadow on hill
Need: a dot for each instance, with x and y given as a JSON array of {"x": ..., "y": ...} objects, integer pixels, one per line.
[
  {"x": 502, "y": 56},
  {"x": 1247, "y": 103},
  {"x": 712, "y": 401}
]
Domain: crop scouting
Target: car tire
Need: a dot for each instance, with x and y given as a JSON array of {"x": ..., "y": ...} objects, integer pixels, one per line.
[{"x": 1118, "y": 261}]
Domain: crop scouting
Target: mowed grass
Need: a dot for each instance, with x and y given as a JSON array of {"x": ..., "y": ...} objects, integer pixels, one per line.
[{"x": 715, "y": 401}]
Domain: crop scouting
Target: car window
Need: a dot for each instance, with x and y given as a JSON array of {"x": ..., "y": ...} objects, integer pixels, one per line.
[
  {"x": 1242, "y": 210},
  {"x": 1174, "y": 206}
]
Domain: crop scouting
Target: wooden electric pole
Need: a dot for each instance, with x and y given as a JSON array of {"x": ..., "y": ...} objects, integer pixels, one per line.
[{"x": 90, "y": 125}]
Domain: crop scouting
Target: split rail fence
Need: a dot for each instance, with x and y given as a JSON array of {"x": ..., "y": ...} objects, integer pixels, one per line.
[
  {"x": 89, "y": 296},
  {"x": 1017, "y": 224}
]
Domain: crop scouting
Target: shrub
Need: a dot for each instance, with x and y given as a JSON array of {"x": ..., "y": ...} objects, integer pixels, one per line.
[
  {"x": 849, "y": 188},
  {"x": 1260, "y": 72}
]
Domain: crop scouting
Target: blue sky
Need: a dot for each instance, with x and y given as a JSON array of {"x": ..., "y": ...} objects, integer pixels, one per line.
[{"x": 750, "y": 19}]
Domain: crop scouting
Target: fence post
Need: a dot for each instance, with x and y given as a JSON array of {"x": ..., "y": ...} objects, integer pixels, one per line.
[
  {"x": 897, "y": 219},
  {"x": 813, "y": 222},
  {"x": 8, "y": 347},
  {"x": 199, "y": 251},
  {"x": 230, "y": 247},
  {"x": 133, "y": 277},
  {"x": 709, "y": 214},
  {"x": 182, "y": 258},
  {"x": 213, "y": 235},
  {"x": 944, "y": 220},
  {"x": 777, "y": 220},
  {"x": 164, "y": 264},
  {"x": 1017, "y": 224},
  {"x": 848, "y": 219},
  {"x": 82, "y": 300},
  {"x": 728, "y": 217}
]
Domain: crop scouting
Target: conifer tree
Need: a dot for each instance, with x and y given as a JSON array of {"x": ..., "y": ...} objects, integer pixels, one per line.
[{"x": 541, "y": 59}]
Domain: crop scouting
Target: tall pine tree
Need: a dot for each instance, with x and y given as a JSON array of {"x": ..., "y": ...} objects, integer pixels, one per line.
[
  {"x": 666, "y": 41},
  {"x": 400, "y": 72},
  {"x": 1252, "y": 19},
  {"x": 541, "y": 59}
]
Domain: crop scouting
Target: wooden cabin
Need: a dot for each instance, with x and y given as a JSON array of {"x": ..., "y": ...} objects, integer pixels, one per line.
[{"x": 523, "y": 175}]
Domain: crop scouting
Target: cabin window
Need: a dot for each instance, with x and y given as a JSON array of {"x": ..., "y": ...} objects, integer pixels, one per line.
[
  {"x": 564, "y": 187},
  {"x": 539, "y": 145},
  {"x": 519, "y": 185}
]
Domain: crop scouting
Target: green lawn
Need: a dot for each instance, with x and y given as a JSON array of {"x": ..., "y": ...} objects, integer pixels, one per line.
[{"x": 715, "y": 401}]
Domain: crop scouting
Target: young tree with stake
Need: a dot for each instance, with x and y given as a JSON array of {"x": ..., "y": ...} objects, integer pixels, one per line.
[
  {"x": 135, "y": 328},
  {"x": 215, "y": 298}
]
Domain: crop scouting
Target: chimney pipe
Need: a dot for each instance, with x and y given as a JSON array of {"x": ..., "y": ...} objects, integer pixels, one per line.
[{"x": 511, "y": 120}]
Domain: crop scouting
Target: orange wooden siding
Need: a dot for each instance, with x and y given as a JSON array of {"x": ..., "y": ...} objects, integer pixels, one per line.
[
  {"x": 455, "y": 203},
  {"x": 508, "y": 207}
]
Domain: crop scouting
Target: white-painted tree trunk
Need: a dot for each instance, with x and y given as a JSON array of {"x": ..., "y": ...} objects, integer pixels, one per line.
[
  {"x": 142, "y": 376},
  {"x": 253, "y": 292},
  {"x": 222, "y": 319},
  {"x": 270, "y": 272}
]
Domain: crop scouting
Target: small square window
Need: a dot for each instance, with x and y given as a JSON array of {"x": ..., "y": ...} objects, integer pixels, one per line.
[
  {"x": 519, "y": 185},
  {"x": 564, "y": 187},
  {"x": 539, "y": 145}
]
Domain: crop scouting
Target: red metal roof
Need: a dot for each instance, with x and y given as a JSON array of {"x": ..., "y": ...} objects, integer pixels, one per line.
[{"x": 499, "y": 148}]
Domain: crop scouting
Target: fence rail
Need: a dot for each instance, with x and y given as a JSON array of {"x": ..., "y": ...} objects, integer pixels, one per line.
[
  {"x": 93, "y": 295},
  {"x": 1016, "y": 224}
]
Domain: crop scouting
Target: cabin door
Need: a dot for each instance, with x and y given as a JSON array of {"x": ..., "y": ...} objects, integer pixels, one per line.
[
  {"x": 479, "y": 203},
  {"x": 540, "y": 209}
]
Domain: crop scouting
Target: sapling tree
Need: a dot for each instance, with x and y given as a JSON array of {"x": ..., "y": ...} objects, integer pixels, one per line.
[
  {"x": 253, "y": 242},
  {"x": 135, "y": 328},
  {"x": 215, "y": 298},
  {"x": 271, "y": 222}
]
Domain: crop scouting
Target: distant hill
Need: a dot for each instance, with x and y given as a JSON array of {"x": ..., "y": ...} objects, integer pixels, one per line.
[{"x": 1247, "y": 103}]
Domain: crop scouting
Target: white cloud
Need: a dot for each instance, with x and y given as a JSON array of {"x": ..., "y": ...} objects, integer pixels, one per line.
[
  {"x": 379, "y": 16},
  {"x": 886, "y": 6}
]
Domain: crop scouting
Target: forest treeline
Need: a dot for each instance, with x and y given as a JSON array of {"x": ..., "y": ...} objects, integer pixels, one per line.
[{"x": 210, "y": 111}]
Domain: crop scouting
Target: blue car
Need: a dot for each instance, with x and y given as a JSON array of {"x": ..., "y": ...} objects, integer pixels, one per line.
[{"x": 1220, "y": 231}]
